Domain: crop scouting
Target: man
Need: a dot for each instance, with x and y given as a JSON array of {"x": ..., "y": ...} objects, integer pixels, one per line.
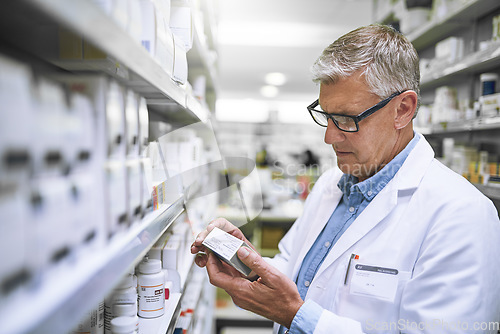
[{"x": 395, "y": 242}]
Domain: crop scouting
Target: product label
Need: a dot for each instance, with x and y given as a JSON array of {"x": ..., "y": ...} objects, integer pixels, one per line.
[
  {"x": 222, "y": 243},
  {"x": 151, "y": 298}
]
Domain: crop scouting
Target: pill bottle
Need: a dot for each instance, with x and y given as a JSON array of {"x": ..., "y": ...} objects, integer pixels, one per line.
[
  {"x": 127, "y": 310},
  {"x": 488, "y": 83},
  {"x": 123, "y": 325},
  {"x": 124, "y": 293},
  {"x": 151, "y": 289}
]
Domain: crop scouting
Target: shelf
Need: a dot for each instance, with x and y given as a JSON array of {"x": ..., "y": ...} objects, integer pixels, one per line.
[
  {"x": 69, "y": 291},
  {"x": 477, "y": 124},
  {"x": 87, "y": 19},
  {"x": 127, "y": 61},
  {"x": 434, "y": 31},
  {"x": 165, "y": 323},
  {"x": 477, "y": 62}
]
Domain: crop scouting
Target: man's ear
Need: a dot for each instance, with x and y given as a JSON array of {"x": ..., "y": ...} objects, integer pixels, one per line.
[{"x": 406, "y": 109}]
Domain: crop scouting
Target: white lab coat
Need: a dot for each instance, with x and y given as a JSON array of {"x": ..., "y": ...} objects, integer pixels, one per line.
[{"x": 429, "y": 223}]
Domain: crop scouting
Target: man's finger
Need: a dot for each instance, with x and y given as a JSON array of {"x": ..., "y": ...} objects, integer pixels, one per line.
[
  {"x": 221, "y": 223},
  {"x": 255, "y": 262},
  {"x": 221, "y": 274},
  {"x": 201, "y": 260}
]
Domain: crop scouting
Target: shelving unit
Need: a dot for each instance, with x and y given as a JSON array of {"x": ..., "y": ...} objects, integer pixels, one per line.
[
  {"x": 73, "y": 290},
  {"x": 472, "y": 21},
  {"x": 66, "y": 294},
  {"x": 436, "y": 30}
]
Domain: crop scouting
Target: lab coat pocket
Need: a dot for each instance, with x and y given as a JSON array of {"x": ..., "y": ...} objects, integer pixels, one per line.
[{"x": 371, "y": 293}]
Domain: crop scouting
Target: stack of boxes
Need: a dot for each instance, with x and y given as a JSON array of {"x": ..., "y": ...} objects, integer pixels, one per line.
[{"x": 73, "y": 168}]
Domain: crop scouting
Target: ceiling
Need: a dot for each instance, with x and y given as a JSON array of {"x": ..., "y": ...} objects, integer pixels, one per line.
[{"x": 256, "y": 37}]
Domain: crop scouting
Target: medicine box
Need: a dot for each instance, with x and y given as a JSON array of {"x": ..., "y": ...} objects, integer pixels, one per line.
[
  {"x": 88, "y": 228},
  {"x": 14, "y": 207},
  {"x": 134, "y": 189},
  {"x": 116, "y": 196},
  {"x": 167, "y": 249},
  {"x": 48, "y": 222},
  {"x": 226, "y": 246},
  {"x": 50, "y": 118},
  {"x": 16, "y": 133},
  {"x": 115, "y": 121},
  {"x": 490, "y": 105},
  {"x": 83, "y": 134},
  {"x": 146, "y": 185},
  {"x": 156, "y": 38},
  {"x": 450, "y": 49},
  {"x": 132, "y": 124},
  {"x": 143, "y": 125}
]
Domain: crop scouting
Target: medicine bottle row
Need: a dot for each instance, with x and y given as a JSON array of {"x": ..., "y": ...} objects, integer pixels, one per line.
[{"x": 145, "y": 291}]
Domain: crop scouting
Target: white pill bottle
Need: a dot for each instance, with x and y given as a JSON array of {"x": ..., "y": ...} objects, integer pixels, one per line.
[
  {"x": 123, "y": 325},
  {"x": 127, "y": 310},
  {"x": 151, "y": 289}
]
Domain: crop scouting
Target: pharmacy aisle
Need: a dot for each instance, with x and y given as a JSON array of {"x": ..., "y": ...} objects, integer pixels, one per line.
[{"x": 100, "y": 120}]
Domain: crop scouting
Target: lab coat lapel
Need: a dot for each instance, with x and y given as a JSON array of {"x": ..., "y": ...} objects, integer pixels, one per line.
[
  {"x": 408, "y": 177},
  {"x": 372, "y": 215},
  {"x": 328, "y": 202}
]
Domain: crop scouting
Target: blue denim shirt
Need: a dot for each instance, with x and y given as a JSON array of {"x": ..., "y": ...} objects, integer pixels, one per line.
[{"x": 356, "y": 197}]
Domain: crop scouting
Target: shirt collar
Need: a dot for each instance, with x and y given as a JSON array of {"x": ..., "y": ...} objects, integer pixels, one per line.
[{"x": 370, "y": 187}]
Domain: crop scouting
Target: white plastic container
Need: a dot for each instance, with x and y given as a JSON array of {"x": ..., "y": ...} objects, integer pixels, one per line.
[
  {"x": 124, "y": 293},
  {"x": 127, "y": 310},
  {"x": 488, "y": 83},
  {"x": 151, "y": 289},
  {"x": 123, "y": 325}
]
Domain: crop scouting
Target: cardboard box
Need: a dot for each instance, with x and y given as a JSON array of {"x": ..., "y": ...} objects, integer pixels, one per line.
[{"x": 225, "y": 246}]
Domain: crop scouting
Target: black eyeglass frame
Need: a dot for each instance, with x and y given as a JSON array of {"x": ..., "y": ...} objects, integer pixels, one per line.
[{"x": 356, "y": 119}]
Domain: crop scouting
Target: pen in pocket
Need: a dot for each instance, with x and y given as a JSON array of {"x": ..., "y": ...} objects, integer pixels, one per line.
[{"x": 353, "y": 257}]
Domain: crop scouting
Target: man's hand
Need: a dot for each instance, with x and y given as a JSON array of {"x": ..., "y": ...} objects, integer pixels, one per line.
[
  {"x": 272, "y": 295},
  {"x": 223, "y": 224}
]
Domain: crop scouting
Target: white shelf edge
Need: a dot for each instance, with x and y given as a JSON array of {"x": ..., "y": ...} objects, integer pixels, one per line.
[
  {"x": 477, "y": 124},
  {"x": 93, "y": 24},
  {"x": 161, "y": 324},
  {"x": 467, "y": 64},
  {"x": 70, "y": 290}
]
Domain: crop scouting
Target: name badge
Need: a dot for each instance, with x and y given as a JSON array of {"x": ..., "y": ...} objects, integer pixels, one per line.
[{"x": 375, "y": 282}]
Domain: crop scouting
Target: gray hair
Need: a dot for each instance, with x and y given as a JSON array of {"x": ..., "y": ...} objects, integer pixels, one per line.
[{"x": 387, "y": 59}]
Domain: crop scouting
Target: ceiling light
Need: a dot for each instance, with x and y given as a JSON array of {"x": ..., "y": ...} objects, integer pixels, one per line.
[
  {"x": 269, "y": 91},
  {"x": 241, "y": 110},
  {"x": 275, "y": 78}
]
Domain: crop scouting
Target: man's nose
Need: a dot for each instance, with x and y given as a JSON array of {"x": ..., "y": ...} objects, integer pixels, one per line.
[{"x": 333, "y": 134}]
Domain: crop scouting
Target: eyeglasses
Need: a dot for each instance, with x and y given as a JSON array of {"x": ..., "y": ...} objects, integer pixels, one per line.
[{"x": 346, "y": 123}]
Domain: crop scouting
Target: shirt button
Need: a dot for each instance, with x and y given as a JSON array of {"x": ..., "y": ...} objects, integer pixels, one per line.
[
  {"x": 351, "y": 209},
  {"x": 369, "y": 193},
  {"x": 327, "y": 244},
  {"x": 307, "y": 283}
]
